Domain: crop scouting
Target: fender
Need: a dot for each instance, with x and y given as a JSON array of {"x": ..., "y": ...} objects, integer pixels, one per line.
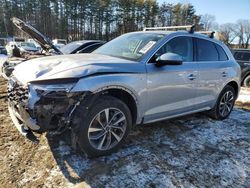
[{"x": 123, "y": 81}]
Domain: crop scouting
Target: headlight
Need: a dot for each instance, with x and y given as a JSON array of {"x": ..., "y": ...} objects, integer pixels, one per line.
[{"x": 47, "y": 89}]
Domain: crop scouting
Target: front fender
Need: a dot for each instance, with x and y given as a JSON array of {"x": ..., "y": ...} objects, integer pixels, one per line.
[{"x": 133, "y": 83}]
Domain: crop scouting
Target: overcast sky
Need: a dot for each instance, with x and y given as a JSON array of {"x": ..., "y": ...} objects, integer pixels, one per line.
[{"x": 224, "y": 10}]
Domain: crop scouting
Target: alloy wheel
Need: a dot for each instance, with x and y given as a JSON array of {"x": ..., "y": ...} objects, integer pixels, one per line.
[
  {"x": 226, "y": 103},
  {"x": 107, "y": 129}
]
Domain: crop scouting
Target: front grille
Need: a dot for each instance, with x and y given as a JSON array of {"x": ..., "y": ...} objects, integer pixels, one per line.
[{"x": 17, "y": 93}]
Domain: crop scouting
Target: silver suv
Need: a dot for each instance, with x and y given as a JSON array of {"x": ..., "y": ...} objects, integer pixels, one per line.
[{"x": 139, "y": 77}]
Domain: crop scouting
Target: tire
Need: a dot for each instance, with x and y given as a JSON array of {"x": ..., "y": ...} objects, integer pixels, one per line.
[
  {"x": 227, "y": 97},
  {"x": 246, "y": 82},
  {"x": 93, "y": 135}
]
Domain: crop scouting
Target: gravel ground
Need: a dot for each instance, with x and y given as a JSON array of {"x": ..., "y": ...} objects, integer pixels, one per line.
[{"x": 192, "y": 151}]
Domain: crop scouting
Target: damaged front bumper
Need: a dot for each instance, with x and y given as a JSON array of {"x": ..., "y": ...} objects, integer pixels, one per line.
[
  {"x": 34, "y": 109},
  {"x": 21, "y": 119}
]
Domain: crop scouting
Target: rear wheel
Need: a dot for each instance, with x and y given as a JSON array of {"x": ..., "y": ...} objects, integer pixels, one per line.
[
  {"x": 102, "y": 129},
  {"x": 224, "y": 104},
  {"x": 246, "y": 82}
]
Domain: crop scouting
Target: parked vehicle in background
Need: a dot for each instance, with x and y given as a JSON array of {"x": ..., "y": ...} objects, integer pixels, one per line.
[
  {"x": 10, "y": 46},
  {"x": 48, "y": 47},
  {"x": 43, "y": 41},
  {"x": 3, "y": 51},
  {"x": 39, "y": 48},
  {"x": 3, "y": 56},
  {"x": 59, "y": 46},
  {"x": 27, "y": 47},
  {"x": 139, "y": 77},
  {"x": 59, "y": 41},
  {"x": 3, "y": 41},
  {"x": 242, "y": 56},
  {"x": 81, "y": 46}
]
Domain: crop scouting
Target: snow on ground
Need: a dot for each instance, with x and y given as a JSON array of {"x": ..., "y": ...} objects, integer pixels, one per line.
[
  {"x": 191, "y": 151},
  {"x": 244, "y": 95}
]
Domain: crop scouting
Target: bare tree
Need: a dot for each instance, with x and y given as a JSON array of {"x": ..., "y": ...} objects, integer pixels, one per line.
[
  {"x": 208, "y": 22},
  {"x": 228, "y": 33},
  {"x": 243, "y": 33}
]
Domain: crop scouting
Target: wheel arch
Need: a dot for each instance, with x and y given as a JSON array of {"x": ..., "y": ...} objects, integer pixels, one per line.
[
  {"x": 245, "y": 76},
  {"x": 235, "y": 85},
  {"x": 124, "y": 95}
]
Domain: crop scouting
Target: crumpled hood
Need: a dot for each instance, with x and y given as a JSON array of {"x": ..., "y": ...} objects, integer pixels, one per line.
[{"x": 73, "y": 66}]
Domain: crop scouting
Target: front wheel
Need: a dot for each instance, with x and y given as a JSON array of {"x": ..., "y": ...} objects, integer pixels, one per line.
[
  {"x": 224, "y": 104},
  {"x": 103, "y": 128}
]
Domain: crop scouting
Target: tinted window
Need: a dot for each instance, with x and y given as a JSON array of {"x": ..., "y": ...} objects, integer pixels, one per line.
[
  {"x": 222, "y": 53},
  {"x": 238, "y": 55},
  {"x": 182, "y": 46},
  {"x": 246, "y": 57},
  {"x": 71, "y": 47},
  {"x": 242, "y": 56},
  {"x": 206, "y": 51},
  {"x": 91, "y": 48}
]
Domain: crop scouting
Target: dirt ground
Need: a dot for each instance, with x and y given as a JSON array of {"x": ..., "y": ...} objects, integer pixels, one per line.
[{"x": 192, "y": 151}]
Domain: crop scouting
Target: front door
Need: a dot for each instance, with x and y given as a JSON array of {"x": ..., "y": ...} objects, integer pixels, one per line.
[{"x": 172, "y": 88}]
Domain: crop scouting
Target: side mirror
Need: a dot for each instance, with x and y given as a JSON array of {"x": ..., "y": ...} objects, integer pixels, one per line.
[{"x": 168, "y": 59}]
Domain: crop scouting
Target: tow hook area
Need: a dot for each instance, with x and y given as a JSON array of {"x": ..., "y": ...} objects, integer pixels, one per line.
[{"x": 21, "y": 127}]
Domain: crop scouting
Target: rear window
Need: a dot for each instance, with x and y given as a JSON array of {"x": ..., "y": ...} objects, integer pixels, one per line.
[
  {"x": 242, "y": 56},
  {"x": 206, "y": 51}
]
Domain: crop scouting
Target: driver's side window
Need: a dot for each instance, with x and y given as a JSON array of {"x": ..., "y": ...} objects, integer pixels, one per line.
[{"x": 182, "y": 46}]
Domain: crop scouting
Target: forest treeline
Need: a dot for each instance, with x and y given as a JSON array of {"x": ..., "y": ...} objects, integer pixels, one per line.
[
  {"x": 106, "y": 19},
  {"x": 93, "y": 19}
]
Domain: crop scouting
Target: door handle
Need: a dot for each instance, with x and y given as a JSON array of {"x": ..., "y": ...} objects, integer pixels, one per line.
[
  {"x": 191, "y": 77},
  {"x": 224, "y": 74}
]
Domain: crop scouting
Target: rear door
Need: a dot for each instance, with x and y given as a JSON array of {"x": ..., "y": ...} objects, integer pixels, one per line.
[
  {"x": 213, "y": 71},
  {"x": 172, "y": 88}
]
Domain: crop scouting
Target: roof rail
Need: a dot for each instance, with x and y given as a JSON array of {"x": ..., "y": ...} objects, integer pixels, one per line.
[
  {"x": 190, "y": 28},
  {"x": 209, "y": 33}
]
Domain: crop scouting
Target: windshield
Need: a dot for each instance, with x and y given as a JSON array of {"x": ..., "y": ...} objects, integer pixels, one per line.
[
  {"x": 28, "y": 44},
  {"x": 130, "y": 46},
  {"x": 67, "y": 49}
]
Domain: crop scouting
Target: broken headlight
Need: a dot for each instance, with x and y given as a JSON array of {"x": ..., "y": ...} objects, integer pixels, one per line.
[{"x": 51, "y": 90}]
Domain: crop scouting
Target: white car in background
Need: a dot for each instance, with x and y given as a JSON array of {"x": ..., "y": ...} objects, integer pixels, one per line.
[
  {"x": 27, "y": 47},
  {"x": 3, "y": 56}
]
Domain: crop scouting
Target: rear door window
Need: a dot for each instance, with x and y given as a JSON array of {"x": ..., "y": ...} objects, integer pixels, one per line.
[
  {"x": 222, "y": 53},
  {"x": 206, "y": 51}
]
